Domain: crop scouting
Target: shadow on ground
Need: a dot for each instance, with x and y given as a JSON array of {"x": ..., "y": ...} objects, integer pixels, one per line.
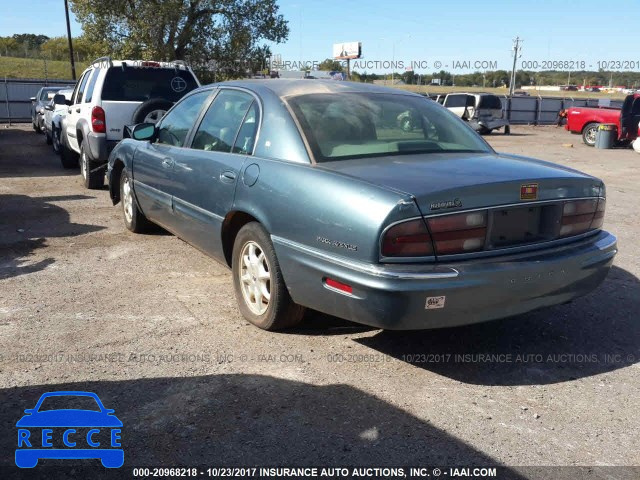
[
  {"x": 592, "y": 335},
  {"x": 24, "y": 153},
  {"x": 25, "y": 223},
  {"x": 251, "y": 420}
]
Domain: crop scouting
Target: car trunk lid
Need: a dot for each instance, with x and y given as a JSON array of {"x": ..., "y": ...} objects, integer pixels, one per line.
[{"x": 448, "y": 182}]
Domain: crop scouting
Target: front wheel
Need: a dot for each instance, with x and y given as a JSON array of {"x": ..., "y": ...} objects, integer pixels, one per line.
[
  {"x": 134, "y": 219},
  {"x": 589, "y": 134},
  {"x": 47, "y": 137},
  {"x": 68, "y": 157},
  {"x": 260, "y": 290},
  {"x": 91, "y": 179}
]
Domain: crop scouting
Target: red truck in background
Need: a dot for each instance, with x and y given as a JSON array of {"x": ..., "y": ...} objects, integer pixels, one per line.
[{"x": 585, "y": 120}]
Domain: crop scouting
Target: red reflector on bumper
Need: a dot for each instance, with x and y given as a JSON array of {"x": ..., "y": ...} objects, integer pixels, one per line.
[{"x": 343, "y": 287}]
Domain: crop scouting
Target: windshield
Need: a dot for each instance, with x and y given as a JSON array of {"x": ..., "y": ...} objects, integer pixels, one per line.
[
  {"x": 134, "y": 84},
  {"x": 356, "y": 125}
]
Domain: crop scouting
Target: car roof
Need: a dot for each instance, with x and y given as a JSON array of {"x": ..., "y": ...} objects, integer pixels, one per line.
[{"x": 289, "y": 87}]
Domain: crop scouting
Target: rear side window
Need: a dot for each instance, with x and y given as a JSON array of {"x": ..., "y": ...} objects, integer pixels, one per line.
[
  {"x": 92, "y": 83},
  {"x": 220, "y": 126},
  {"x": 490, "y": 101},
  {"x": 456, "y": 101},
  {"x": 135, "y": 84},
  {"x": 83, "y": 84}
]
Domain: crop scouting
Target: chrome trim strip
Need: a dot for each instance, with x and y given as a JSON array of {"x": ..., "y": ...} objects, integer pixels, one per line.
[
  {"x": 367, "y": 267},
  {"x": 523, "y": 203},
  {"x": 201, "y": 211}
]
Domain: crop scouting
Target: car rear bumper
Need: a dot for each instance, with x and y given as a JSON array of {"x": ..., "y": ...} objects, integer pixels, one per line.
[
  {"x": 490, "y": 124},
  {"x": 100, "y": 147},
  {"x": 396, "y": 297}
]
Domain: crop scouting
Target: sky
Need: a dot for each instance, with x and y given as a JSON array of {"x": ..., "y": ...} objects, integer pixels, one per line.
[{"x": 422, "y": 31}]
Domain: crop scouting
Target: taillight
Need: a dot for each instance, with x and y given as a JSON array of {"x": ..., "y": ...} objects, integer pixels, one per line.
[
  {"x": 580, "y": 216},
  {"x": 98, "y": 120},
  {"x": 459, "y": 233},
  {"x": 407, "y": 239}
]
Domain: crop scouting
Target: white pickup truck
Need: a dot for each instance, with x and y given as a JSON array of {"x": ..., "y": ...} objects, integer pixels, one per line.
[{"x": 483, "y": 111}]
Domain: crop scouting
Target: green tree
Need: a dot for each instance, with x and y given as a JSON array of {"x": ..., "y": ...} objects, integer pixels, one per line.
[
  {"x": 330, "y": 65},
  {"x": 223, "y": 35}
]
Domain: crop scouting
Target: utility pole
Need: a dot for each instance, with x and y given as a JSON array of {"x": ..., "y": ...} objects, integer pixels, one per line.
[
  {"x": 516, "y": 55},
  {"x": 73, "y": 63}
]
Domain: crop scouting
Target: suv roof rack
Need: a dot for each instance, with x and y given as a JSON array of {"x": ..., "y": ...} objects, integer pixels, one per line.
[{"x": 102, "y": 60}]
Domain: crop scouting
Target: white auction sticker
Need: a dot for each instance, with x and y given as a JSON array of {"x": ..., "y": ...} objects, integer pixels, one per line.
[{"x": 435, "y": 302}]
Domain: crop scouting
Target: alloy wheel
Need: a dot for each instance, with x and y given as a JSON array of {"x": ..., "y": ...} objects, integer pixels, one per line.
[{"x": 255, "y": 278}]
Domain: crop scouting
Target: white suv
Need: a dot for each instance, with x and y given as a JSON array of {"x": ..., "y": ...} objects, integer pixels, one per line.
[
  {"x": 110, "y": 95},
  {"x": 483, "y": 111}
]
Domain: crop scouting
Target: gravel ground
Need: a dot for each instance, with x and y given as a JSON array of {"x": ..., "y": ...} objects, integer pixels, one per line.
[{"x": 150, "y": 324}]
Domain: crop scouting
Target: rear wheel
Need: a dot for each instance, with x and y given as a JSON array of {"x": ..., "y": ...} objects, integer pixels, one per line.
[
  {"x": 507, "y": 129},
  {"x": 589, "y": 134},
  {"x": 91, "y": 179},
  {"x": 55, "y": 140},
  {"x": 134, "y": 219},
  {"x": 260, "y": 290},
  {"x": 47, "y": 137}
]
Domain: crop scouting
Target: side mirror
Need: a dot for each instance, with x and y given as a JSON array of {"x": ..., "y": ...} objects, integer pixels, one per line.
[
  {"x": 48, "y": 107},
  {"x": 33, "y": 99},
  {"x": 144, "y": 131},
  {"x": 59, "y": 99}
]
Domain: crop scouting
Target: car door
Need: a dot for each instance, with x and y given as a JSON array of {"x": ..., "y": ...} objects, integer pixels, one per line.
[
  {"x": 75, "y": 112},
  {"x": 457, "y": 103},
  {"x": 153, "y": 176},
  {"x": 207, "y": 173}
]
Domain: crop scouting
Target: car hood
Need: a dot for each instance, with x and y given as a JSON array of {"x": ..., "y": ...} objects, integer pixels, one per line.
[
  {"x": 467, "y": 180},
  {"x": 69, "y": 418}
]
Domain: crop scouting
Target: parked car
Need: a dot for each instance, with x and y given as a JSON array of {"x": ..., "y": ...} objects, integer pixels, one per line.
[
  {"x": 585, "y": 120},
  {"x": 42, "y": 98},
  {"x": 53, "y": 116},
  {"x": 483, "y": 111},
  {"x": 315, "y": 199},
  {"x": 110, "y": 95}
]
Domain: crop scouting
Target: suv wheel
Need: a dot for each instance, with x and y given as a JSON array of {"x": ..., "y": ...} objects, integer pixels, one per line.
[
  {"x": 260, "y": 290},
  {"x": 91, "y": 180}
]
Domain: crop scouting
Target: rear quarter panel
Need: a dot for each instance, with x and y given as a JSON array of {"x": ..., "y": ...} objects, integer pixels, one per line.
[
  {"x": 578, "y": 117},
  {"x": 319, "y": 209}
]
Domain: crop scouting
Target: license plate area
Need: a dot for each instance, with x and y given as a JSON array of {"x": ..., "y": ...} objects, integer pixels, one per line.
[{"x": 522, "y": 225}]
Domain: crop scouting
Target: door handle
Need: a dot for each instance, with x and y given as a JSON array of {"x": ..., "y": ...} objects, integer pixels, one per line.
[
  {"x": 228, "y": 176},
  {"x": 78, "y": 110},
  {"x": 167, "y": 162}
]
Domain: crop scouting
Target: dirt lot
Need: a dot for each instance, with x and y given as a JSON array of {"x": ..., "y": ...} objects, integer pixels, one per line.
[{"x": 151, "y": 325}]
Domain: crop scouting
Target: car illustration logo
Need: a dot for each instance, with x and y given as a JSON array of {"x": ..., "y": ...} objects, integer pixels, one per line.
[
  {"x": 53, "y": 430},
  {"x": 529, "y": 191}
]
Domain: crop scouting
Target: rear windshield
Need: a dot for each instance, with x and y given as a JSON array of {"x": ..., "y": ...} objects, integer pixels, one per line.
[
  {"x": 136, "y": 84},
  {"x": 490, "y": 101},
  {"x": 356, "y": 125},
  {"x": 457, "y": 101}
]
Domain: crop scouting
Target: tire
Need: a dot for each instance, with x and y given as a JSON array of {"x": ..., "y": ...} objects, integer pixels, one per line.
[
  {"x": 55, "y": 140},
  {"x": 507, "y": 129},
  {"x": 134, "y": 219},
  {"x": 484, "y": 131},
  {"x": 589, "y": 134},
  {"x": 279, "y": 311},
  {"x": 33, "y": 124},
  {"x": 91, "y": 180},
  {"x": 151, "y": 111},
  {"x": 68, "y": 157},
  {"x": 47, "y": 138}
]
